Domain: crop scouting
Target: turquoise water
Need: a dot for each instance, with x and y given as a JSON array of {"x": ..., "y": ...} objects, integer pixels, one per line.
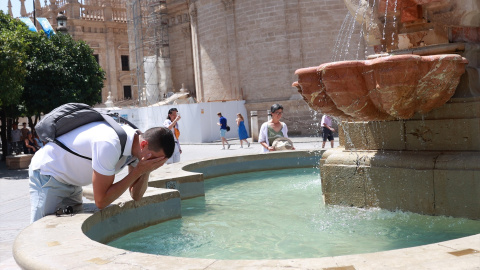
[{"x": 280, "y": 215}]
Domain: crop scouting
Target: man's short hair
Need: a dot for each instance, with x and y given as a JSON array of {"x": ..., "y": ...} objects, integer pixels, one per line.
[
  {"x": 219, "y": 113},
  {"x": 159, "y": 138}
]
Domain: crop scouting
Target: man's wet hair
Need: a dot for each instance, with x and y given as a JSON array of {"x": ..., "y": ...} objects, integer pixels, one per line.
[{"x": 160, "y": 138}]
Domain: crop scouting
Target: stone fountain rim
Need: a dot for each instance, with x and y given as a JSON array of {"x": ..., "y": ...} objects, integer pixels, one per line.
[{"x": 59, "y": 243}]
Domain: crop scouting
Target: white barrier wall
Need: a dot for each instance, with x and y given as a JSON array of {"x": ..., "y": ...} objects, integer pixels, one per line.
[{"x": 198, "y": 123}]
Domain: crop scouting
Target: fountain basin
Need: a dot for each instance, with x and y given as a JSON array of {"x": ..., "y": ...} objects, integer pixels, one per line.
[
  {"x": 62, "y": 242},
  {"x": 385, "y": 88}
]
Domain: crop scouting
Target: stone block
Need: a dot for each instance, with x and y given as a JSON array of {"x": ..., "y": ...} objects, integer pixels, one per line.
[
  {"x": 344, "y": 184},
  {"x": 457, "y": 185},
  {"x": 387, "y": 179},
  {"x": 449, "y": 185},
  {"x": 18, "y": 161},
  {"x": 374, "y": 135},
  {"x": 444, "y": 134},
  {"x": 401, "y": 189}
]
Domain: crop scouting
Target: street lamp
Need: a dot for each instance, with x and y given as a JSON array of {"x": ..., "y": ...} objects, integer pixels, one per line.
[{"x": 62, "y": 23}]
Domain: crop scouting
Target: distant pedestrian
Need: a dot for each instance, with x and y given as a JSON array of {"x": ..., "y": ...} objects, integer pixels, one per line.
[
  {"x": 172, "y": 123},
  {"x": 16, "y": 139},
  {"x": 242, "y": 131},
  {"x": 327, "y": 130},
  {"x": 24, "y": 131},
  {"x": 223, "y": 129}
]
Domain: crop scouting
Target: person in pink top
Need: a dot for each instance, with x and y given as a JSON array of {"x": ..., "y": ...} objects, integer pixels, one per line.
[{"x": 327, "y": 130}]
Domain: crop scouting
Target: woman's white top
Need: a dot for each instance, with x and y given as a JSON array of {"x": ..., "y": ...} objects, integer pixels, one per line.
[{"x": 263, "y": 136}]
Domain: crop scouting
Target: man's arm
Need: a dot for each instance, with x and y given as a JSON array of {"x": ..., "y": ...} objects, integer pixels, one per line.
[
  {"x": 138, "y": 188},
  {"x": 105, "y": 191}
]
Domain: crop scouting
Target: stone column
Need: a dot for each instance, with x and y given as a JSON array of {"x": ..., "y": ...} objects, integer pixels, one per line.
[
  {"x": 23, "y": 11},
  {"x": 232, "y": 49},
  {"x": 293, "y": 28},
  {"x": 136, "y": 53},
  {"x": 197, "y": 67},
  {"x": 110, "y": 55},
  {"x": 254, "y": 125}
]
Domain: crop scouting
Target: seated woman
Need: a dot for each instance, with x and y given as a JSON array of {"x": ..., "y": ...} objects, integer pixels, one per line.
[
  {"x": 37, "y": 139},
  {"x": 272, "y": 129},
  {"x": 31, "y": 145}
]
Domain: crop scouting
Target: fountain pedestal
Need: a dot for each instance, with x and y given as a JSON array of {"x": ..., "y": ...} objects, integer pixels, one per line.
[
  {"x": 428, "y": 166},
  {"x": 410, "y": 120}
]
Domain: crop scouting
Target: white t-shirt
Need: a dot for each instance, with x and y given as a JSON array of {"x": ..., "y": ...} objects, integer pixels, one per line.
[
  {"x": 326, "y": 120},
  {"x": 96, "y": 140}
]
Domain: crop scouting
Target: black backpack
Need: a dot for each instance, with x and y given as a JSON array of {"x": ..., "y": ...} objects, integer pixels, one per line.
[{"x": 73, "y": 115}]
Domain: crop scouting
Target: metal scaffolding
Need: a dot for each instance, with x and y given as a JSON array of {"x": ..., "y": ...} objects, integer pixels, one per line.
[{"x": 149, "y": 44}]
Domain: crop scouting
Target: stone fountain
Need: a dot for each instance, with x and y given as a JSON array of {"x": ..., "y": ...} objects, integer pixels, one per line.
[{"x": 410, "y": 114}]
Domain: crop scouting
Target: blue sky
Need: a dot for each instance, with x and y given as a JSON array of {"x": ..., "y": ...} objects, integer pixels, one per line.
[{"x": 16, "y": 6}]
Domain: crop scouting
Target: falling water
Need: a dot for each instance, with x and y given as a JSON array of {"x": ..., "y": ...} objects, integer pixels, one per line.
[
  {"x": 337, "y": 51},
  {"x": 394, "y": 22},
  {"x": 361, "y": 37},
  {"x": 351, "y": 30},
  {"x": 385, "y": 21},
  {"x": 369, "y": 27}
]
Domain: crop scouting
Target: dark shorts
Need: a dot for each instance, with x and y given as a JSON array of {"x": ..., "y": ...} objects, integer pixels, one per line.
[{"x": 327, "y": 134}]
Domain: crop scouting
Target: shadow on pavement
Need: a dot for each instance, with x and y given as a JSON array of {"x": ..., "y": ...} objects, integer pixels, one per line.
[{"x": 6, "y": 174}]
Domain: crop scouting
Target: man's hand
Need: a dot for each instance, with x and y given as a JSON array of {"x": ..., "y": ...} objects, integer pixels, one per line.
[
  {"x": 148, "y": 164},
  {"x": 138, "y": 188},
  {"x": 105, "y": 191}
]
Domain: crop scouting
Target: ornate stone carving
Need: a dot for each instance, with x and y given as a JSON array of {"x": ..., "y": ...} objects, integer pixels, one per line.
[
  {"x": 187, "y": 32},
  {"x": 386, "y": 88}
]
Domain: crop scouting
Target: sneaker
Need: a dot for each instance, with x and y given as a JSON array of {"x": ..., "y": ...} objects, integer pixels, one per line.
[
  {"x": 241, "y": 146},
  {"x": 223, "y": 148},
  {"x": 248, "y": 144},
  {"x": 228, "y": 146}
]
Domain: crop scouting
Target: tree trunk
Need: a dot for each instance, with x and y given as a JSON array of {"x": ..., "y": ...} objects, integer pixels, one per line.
[{"x": 3, "y": 134}]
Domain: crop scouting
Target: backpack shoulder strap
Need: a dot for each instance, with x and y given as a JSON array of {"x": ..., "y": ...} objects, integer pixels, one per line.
[
  {"x": 122, "y": 135},
  {"x": 59, "y": 143}
]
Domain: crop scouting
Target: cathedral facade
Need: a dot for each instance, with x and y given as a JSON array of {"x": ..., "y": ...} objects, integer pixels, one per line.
[{"x": 220, "y": 50}]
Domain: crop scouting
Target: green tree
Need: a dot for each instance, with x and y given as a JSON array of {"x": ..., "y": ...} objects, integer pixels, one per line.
[
  {"x": 38, "y": 74},
  {"x": 60, "y": 70},
  {"x": 14, "y": 40}
]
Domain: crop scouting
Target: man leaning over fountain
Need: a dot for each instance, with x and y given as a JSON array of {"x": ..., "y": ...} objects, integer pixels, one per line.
[{"x": 57, "y": 176}]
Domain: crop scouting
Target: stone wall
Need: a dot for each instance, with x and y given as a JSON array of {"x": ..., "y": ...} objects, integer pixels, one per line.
[
  {"x": 179, "y": 32},
  {"x": 250, "y": 50}
]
